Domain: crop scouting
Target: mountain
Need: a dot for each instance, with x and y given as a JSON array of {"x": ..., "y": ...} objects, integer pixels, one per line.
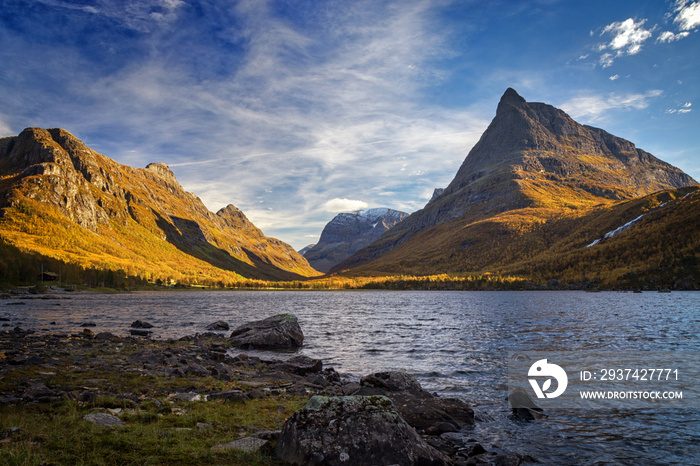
[
  {"x": 533, "y": 167},
  {"x": 63, "y": 201},
  {"x": 348, "y": 233},
  {"x": 303, "y": 250}
]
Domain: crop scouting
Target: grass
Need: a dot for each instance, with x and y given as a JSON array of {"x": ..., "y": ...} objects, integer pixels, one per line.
[
  {"x": 156, "y": 432},
  {"x": 162, "y": 428}
]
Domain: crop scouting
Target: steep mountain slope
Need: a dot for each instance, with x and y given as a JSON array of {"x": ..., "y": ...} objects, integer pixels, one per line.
[
  {"x": 533, "y": 165},
  {"x": 61, "y": 199},
  {"x": 348, "y": 233}
]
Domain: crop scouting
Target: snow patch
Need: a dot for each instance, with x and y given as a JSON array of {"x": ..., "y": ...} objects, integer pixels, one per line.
[{"x": 624, "y": 227}]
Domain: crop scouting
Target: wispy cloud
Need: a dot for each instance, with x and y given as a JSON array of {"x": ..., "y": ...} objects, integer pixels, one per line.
[
  {"x": 685, "y": 108},
  {"x": 138, "y": 15},
  {"x": 299, "y": 115},
  {"x": 593, "y": 107},
  {"x": 668, "y": 36}
]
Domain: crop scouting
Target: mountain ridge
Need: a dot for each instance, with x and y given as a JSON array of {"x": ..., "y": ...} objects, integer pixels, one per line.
[{"x": 56, "y": 170}]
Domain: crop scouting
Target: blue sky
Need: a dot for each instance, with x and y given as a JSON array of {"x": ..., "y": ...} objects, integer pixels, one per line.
[{"x": 296, "y": 110}]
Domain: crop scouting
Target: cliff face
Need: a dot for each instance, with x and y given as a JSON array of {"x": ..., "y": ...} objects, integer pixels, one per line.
[
  {"x": 532, "y": 156},
  {"x": 348, "y": 233},
  {"x": 59, "y": 172}
]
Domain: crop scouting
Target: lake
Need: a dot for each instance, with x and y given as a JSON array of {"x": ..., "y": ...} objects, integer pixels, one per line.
[{"x": 455, "y": 343}]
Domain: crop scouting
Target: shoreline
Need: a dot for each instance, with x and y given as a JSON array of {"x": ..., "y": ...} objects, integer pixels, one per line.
[{"x": 190, "y": 394}]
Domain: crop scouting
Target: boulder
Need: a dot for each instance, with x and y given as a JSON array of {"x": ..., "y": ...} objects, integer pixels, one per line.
[
  {"x": 40, "y": 393},
  {"x": 141, "y": 324},
  {"x": 418, "y": 407},
  {"x": 352, "y": 430},
  {"x": 523, "y": 406},
  {"x": 218, "y": 325},
  {"x": 196, "y": 369},
  {"x": 300, "y": 365},
  {"x": 276, "y": 332}
]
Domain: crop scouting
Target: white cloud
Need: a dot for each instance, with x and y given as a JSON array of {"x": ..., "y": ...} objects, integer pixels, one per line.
[
  {"x": 668, "y": 36},
  {"x": 627, "y": 38},
  {"x": 614, "y": 77},
  {"x": 344, "y": 205},
  {"x": 607, "y": 59},
  {"x": 685, "y": 108},
  {"x": 688, "y": 15},
  {"x": 594, "y": 107}
]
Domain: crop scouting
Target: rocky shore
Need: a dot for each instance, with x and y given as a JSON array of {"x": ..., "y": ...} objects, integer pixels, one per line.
[{"x": 69, "y": 398}]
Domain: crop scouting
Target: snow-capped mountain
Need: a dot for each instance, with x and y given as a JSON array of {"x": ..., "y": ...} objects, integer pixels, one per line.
[{"x": 348, "y": 233}]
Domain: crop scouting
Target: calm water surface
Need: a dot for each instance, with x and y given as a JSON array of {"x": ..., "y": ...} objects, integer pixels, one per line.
[{"x": 456, "y": 343}]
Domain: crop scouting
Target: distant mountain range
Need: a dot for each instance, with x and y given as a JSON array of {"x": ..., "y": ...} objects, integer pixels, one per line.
[
  {"x": 532, "y": 194},
  {"x": 540, "y": 198},
  {"x": 349, "y": 232},
  {"x": 62, "y": 201}
]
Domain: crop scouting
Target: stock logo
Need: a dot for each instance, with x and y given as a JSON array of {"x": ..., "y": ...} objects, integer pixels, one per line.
[{"x": 542, "y": 368}]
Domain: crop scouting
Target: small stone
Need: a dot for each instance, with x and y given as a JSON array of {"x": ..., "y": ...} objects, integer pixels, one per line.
[
  {"x": 229, "y": 395},
  {"x": 204, "y": 426},
  {"x": 40, "y": 393},
  {"x": 245, "y": 444},
  {"x": 476, "y": 449},
  {"x": 104, "y": 420}
]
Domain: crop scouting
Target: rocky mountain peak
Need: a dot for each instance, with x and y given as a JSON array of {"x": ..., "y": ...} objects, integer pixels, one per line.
[
  {"x": 348, "y": 232},
  {"x": 510, "y": 98},
  {"x": 161, "y": 170},
  {"x": 531, "y": 156},
  {"x": 233, "y": 217}
]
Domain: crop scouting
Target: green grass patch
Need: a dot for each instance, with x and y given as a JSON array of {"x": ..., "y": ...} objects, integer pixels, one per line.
[{"x": 157, "y": 432}]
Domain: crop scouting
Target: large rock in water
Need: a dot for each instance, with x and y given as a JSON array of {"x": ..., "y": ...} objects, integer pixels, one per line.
[
  {"x": 347, "y": 430},
  {"x": 419, "y": 408},
  {"x": 276, "y": 332}
]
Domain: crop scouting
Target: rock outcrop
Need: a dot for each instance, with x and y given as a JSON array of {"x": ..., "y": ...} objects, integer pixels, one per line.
[
  {"x": 348, "y": 233},
  {"x": 352, "y": 430},
  {"x": 53, "y": 173},
  {"x": 277, "y": 332},
  {"x": 423, "y": 411}
]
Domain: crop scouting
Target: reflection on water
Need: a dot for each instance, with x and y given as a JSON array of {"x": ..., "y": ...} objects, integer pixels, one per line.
[{"x": 456, "y": 343}]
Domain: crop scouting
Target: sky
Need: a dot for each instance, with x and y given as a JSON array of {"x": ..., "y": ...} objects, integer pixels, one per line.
[{"x": 294, "y": 111}]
